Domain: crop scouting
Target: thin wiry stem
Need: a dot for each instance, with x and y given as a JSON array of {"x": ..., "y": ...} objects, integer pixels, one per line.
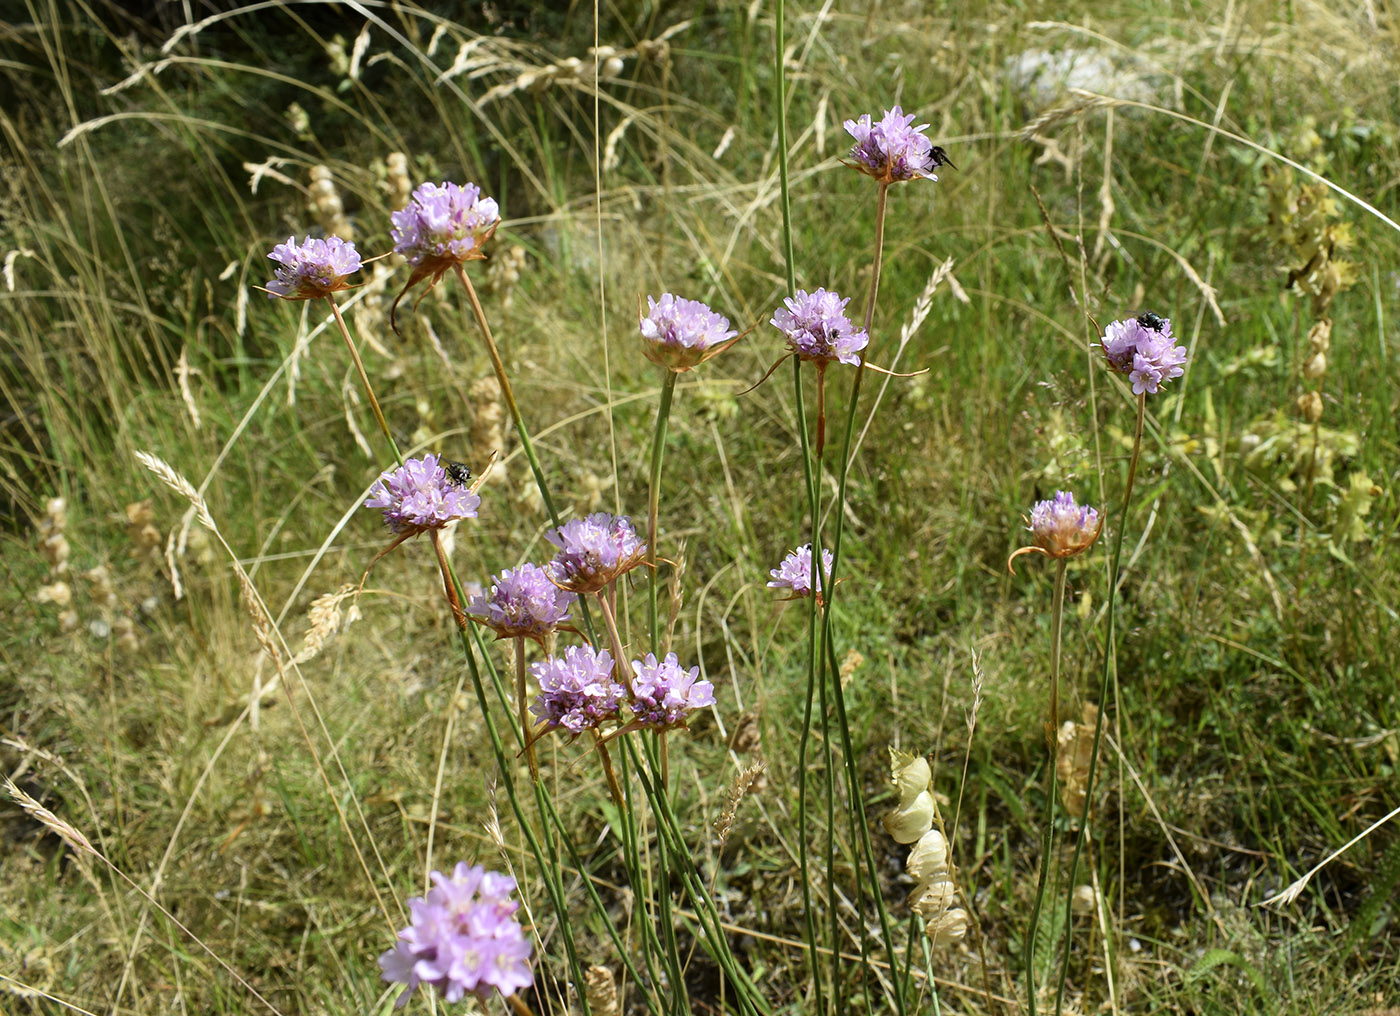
[
  {"x": 827, "y": 649},
  {"x": 790, "y": 266},
  {"x": 658, "y": 451},
  {"x": 1108, "y": 658},
  {"x": 508, "y": 393},
  {"x": 364, "y": 379},
  {"x": 1047, "y": 835},
  {"x": 523, "y": 709}
]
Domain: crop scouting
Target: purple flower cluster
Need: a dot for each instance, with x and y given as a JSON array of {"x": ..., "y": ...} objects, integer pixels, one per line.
[
  {"x": 795, "y": 572},
  {"x": 1062, "y": 528},
  {"x": 892, "y": 150},
  {"x": 419, "y": 495},
  {"x": 681, "y": 333},
  {"x": 664, "y": 693},
  {"x": 464, "y": 939},
  {"x": 312, "y": 269},
  {"x": 817, "y": 328},
  {"x": 444, "y": 223},
  {"x": 1148, "y": 355},
  {"x": 522, "y": 604},
  {"x": 577, "y": 691},
  {"x": 594, "y": 551}
]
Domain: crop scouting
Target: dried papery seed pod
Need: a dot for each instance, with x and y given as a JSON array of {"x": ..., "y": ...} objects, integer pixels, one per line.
[
  {"x": 1315, "y": 367},
  {"x": 601, "y": 991},
  {"x": 400, "y": 184},
  {"x": 947, "y": 929},
  {"x": 1076, "y": 745},
  {"x": 910, "y": 821},
  {"x": 59, "y": 594},
  {"x": 1310, "y": 406},
  {"x": 611, "y": 68},
  {"x": 1085, "y": 899},
  {"x": 1320, "y": 336},
  {"x": 910, "y": 774},
  {"x": 929, "y": 856},
  {"x": 932, "y": 898},
  {"x": 124, "y": 634},
  {"x": 325, "y": 204},
  {"x": 55, "y": 549}
]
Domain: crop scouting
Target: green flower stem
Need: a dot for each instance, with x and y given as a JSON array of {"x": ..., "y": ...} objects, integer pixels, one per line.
[
  {"x": 1047, "y": 835},
  {"x": 827, "y": 648},
  {"x": 546, "y": 856},
  {"x": 790, "y": 269},
  {"x": 670, "y": 950},
  {"x": 658, "y": 450},
  {"x": 748, "y": 996},
  {"x": 523, "y": 709},
  {"x": 860, "y": 830},
  {"x": 364, "y": 379},
  {"x": 508, "y": 393},
  {"x": 1108, "y": 658}
]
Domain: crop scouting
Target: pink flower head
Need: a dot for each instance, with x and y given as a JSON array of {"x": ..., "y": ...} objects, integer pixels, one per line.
[
  {"x": 312, "y": 269},
  {"x": 664, "y": 694},
  {"x": 680, "y": 334},
  {"x": 1144, "y": 349},
  {"x": 893, "y": 150},
  {"x": 795, "y": 572},
  {"x": 522, "y": 604},
  {"x": 463, "y": 939},
  {"x": 578, "y": 690},
  {"x": 1060, "y": 528},
  {"x": 816, "y": 327},
  {"x": 593, "y": 551},
  {"x": 444, "y": 223},
  {"x": 419, "y": 495}
]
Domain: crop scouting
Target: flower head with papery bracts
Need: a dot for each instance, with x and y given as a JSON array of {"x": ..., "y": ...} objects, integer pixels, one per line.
[
  {"x": 419, "y": 496},
  {"x": 795, "y": 572},
  {"x": 817, "y": 328},
  {"x": 522, "y": 604},
  {"x": 1146, "y": 352},
  {"x": 463, "y": 939},
  {"x": 679, "y": 334},
  {"x": 312, "y": 269},
  {"x": 665, "y": 693},
  {"x": 578, "y": 690},
  {"x": 1060, "y": 528},
  {"x": 892, "y": 149},
  {"x": 593, "y": 551},
  {"x": 444, "y": 224}
]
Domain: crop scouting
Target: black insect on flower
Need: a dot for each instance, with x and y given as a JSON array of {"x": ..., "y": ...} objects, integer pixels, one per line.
[
  {"x": 1152, "y": 322},
  {"x": 457, "y": 473}
]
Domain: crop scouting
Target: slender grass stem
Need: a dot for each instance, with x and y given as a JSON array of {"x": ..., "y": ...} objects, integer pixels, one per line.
[
  {"x": 364, "y": 379},
  {"x": 658, "y": 451},
  {"x": 1047, "y": 835},
  {"x": 508, "y": 393},
  {"x": 1108, "y": 659}
]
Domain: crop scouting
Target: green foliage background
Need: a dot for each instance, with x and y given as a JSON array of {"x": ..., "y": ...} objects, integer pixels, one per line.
[{"x": 1256, "y": 701}]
